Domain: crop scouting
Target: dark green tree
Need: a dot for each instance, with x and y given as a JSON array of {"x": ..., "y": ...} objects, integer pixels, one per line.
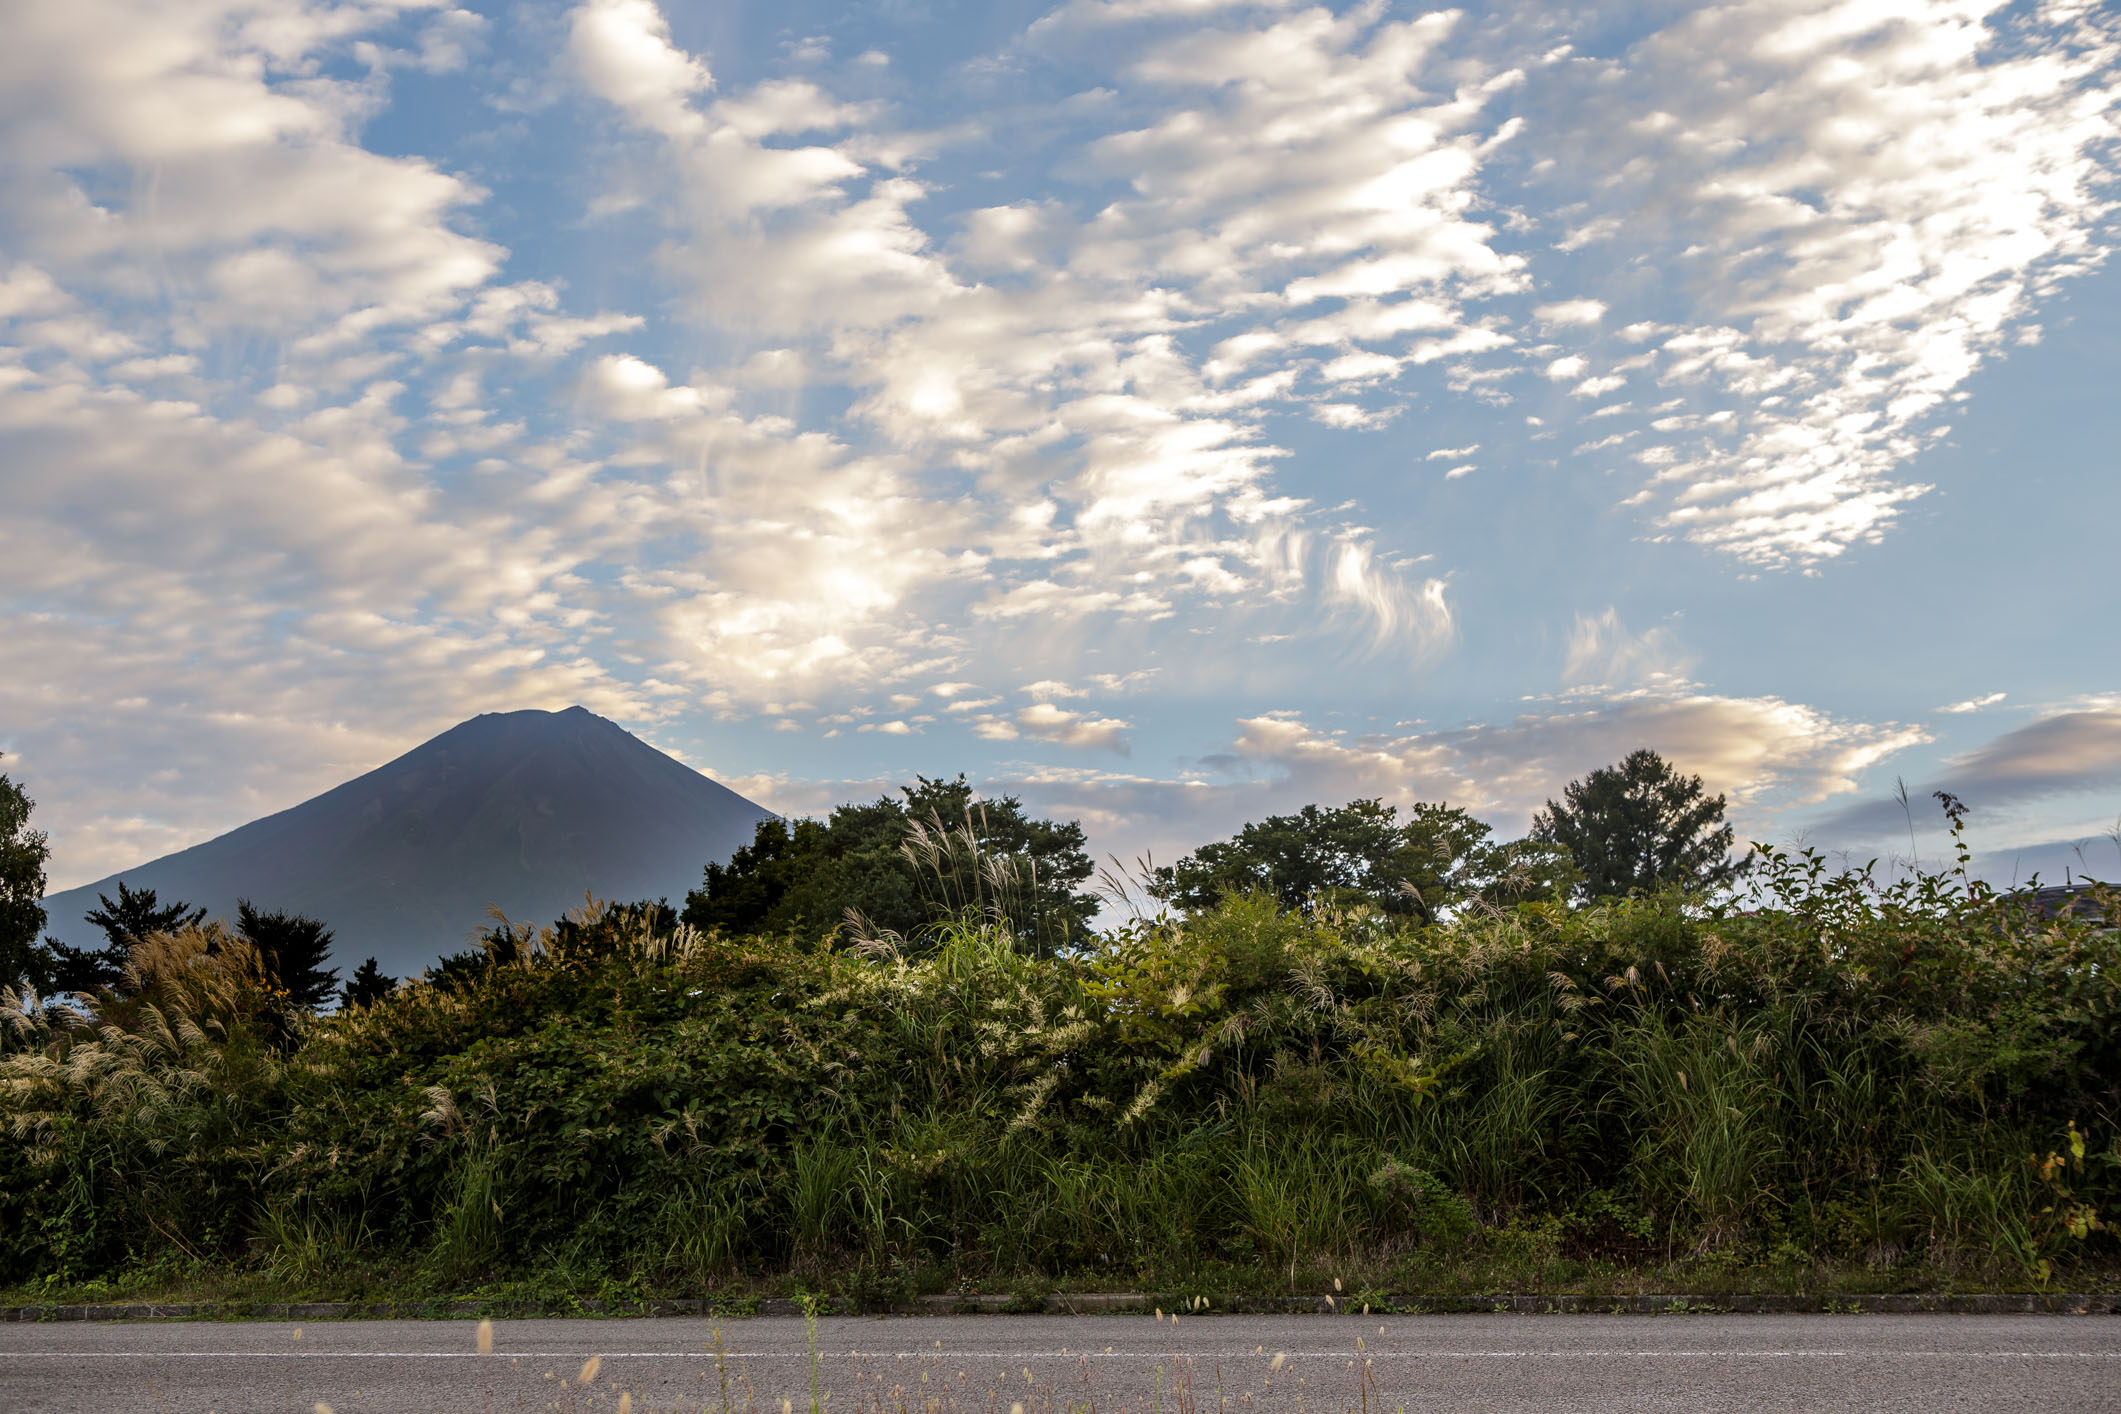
[
  {"x": 293, "y": 949},
  {"x": 1449, "y": 859},
  {"x": 1445, "y": 856},
  {"x": 1527, "y": 871},
  {"x": 367, "y": 986},
  {"x": 135, "y": 914},
  {"x": 804, "y": 876},
  {"x": 22, "y": 855},
  {"x": 84, "y": 969},
  {"x": 1435, "y": 861},
  {"x": 1640, "y": 827},
  {"x": 1312, "y": 855},
  {"x": 138, "y": 914}
]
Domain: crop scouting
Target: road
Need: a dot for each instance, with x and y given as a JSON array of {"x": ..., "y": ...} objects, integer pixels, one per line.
[{"x": 1209, "y": 1364}]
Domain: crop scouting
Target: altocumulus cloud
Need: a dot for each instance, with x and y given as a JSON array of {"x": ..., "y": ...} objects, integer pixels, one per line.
[{"x": 316, "y": 440}]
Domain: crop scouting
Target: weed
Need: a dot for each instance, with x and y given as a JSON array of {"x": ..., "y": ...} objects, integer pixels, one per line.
[{"x": 1845, "y": 1086}]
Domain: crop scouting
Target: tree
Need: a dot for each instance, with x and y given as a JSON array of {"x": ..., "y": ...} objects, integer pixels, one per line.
[
  {"x": 367, "y": 986},
  {"x": 1529, "y": 871},
  {"x": 1297, "y": 858},
  {"x": 136, "y": 914},
  {"x": 293, "y": 950},
  {"x": 1445, "y": 857},
  {"x": 1435, "y": 861},
  {"x": 23, "y": 852},
  {"x": 1640, "y": 827},
  {"x": 890, "y": 861}
]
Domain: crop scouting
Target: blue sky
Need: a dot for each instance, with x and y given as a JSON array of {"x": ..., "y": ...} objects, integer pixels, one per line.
[{"x": 1172, "y": 411}]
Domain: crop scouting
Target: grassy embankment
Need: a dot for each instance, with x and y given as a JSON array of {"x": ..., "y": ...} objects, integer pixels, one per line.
[{"x": 1842, "y": 1089}]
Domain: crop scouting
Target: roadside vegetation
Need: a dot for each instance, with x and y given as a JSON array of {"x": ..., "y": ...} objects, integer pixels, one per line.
[{"x": 1434, "y": 1064}]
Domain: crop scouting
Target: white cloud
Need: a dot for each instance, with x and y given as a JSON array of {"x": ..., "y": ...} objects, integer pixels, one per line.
[
  {"x": 282, "y": 444},
  {"x": 263, "y": 213},
  {"x": 1420, "y": 614},
  {"x": 1765, "y": 753},
  {"x": 1077, "y": 729},
  {"x": 632, "y": 390},
  {"x": 1075, "y": 386},
  {"x": 623, "y": 51},
  {"x": 1570, "y": 311},
  {"x": 1768, "y": 755},
  {"x": 551, "y": 334},
  {"x": 1601, "y": 650},
  {"x": 1862, "y": 202},
  {"x": 26, "y": 290},
  {"x": 1046, "y": 689},
  {"x": 1351, "y": 415},
  {"x": 1974, "y": 704},
  {"x": 260, "y": 616}
]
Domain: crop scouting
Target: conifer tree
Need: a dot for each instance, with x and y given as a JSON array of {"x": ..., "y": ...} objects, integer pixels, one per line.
[
  {"x": 294, "y": 950},
  {"x": 133, "y": 915},
  {"x": 367, "y": 986},
  {"x": 1640, "y": 827}
]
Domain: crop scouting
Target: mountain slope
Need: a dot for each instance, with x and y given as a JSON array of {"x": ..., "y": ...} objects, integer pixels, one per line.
[{"x": 524, "y": 810}]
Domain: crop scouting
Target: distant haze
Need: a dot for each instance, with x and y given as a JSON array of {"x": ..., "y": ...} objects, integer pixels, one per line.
[{"x": 522, "y": 810}]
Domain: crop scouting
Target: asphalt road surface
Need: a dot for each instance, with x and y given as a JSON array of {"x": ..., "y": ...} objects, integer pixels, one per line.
[{"x": 1701, "y": 1364}]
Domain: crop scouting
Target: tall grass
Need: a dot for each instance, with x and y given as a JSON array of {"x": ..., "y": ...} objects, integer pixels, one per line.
[{"x": 1840, "y": 1077}]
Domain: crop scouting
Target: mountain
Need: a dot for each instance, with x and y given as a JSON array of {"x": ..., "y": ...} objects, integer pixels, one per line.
[{"x": 524, "y": 810}]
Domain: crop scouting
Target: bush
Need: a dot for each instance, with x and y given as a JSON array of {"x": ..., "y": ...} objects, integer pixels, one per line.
[{"x": 1840, "y": 1076}]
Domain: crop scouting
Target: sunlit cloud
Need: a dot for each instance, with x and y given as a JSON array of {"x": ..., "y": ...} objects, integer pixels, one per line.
[
  {"x": 1862, "y": 205},
  {"x": 2068, "y": 751},
  {"x": 1162, "y": 352}
]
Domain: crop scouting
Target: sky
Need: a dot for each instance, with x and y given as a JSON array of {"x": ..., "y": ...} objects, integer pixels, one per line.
[{"x": 1169, "y": 411}]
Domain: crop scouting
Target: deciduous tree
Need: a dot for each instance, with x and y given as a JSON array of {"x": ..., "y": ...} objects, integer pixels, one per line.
[
  {"x": 1436, "y": 860},
  {"x": 1315, "y": 854},
  {"x": 23, "y": 852},
  {"x": 889, "y": 861}
]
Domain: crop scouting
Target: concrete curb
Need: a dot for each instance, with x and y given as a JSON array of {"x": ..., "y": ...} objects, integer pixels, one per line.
[{"x": 1099, "y": 1303}]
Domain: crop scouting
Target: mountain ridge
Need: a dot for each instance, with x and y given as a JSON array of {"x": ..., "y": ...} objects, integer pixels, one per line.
[{"x": 525, "y": 811}]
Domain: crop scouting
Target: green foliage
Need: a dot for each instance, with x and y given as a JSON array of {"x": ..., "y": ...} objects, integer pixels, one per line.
[
  {"x": 133, "y": 918},
  {"x": 809, "y": 878},
  {"x": 367, "y": 986},
  {"x": 22, "y": 855},
  {"x": 1640, "y": 827},
  {"x": 1435, "y": 861},
  {"x": 137, "y": 915},
  {"x": 1919, "y": 1080},
  {"x": 293, "y": 949},
  {"x": 1295, "y": 859}
]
